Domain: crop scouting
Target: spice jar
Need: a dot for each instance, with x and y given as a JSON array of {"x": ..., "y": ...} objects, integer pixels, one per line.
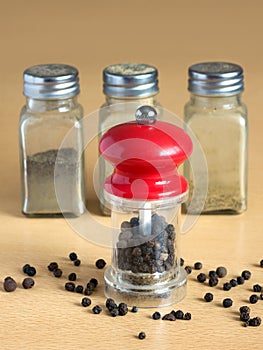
[
  {"x": 126, "y": 87},
  {"x": 145, "y": 192},
  {"x": 51, "y": 110},
  {"x": 218, "y": 118}
]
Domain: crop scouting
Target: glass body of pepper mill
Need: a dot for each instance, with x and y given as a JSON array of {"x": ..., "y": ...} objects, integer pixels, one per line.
[
  {"x": 126, "y": 87},
  {"x": 218, "y": 118},
  {"x": 51, "y": 110},
  {"x": 145, "y": 192}
]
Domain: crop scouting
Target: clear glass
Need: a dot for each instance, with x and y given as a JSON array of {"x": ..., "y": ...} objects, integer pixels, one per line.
[
  {"x": 116, "y": 111},
  {"x": 220, "y": 125},
  {"x": 145, "y": 269},
  {"x": 43, "y": 126}
]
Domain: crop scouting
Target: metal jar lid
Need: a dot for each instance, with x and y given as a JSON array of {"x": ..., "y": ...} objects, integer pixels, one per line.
[
  {"x": 130, "y": 80},
  {"x": 51, "y": 81},
  {"x": 215, "y": 78}
]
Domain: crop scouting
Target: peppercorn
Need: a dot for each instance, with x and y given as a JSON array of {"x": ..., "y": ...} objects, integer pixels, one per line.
[
  {"x": 96, "y": 309},
  {"x": 100, "y": 263},
  {"x": 212, "y": 274},
  {"x": 257, "y": 288},
  {"x": 227, "y": 286},
  {"x": 73, "y": 256},
  {"x": 208, "y": 297},
  {"x": 244, "y": 309},
  {"x": 178, "y": 314},
  {"x": 198, "y": 265},
  {"x": 114, "y": 312},
  {"x": 261, "y": 263},
  {"x": 94, "y": 281},
  {"x": 28, "y": 283},
  {"x": 261, "y": 296},
  {"x": 213, "y": 281},
  {"x": 187, "y": 316},
  {"x": 156, "y": 315},
  {"x": 255, "y": 322},
  {"x": 201, "y": 277},
  {"x": 9, "y": 284},
  {"x": 87, "y": 291},
  {"x": 52, "y": 266},
  {"x": 25, "y": 268},
  {"x": 240, "y": 280},
  {"x": 123, "y": 309},
  {"x": 169, "y": 317},
  {"x": 253, "y": 299},
  {"x": 70, "y": 286},
  {"x": 72, "y": 276},
  {"x": 181, "y": 262},
  {"x": 246, "y": 274},
  {"x": 77, "y": 262},
  {"x": 110, "y": 304},
  {"x": 227, "y": 302},
  {"x": 57, "y": 273},
  {"x": 134, "y": 309},
  {"x": 188, "y": 269},
  {"x": 221, "y": 271},
  {"x": 85, "y": 302},
  {"x": 31, "y": 271},
  {"x": 79, "y": 289},
  {"x": 233, "y": 282},
  {"x": 141, "y": 335},
  {"x": 244, "y": 316}
]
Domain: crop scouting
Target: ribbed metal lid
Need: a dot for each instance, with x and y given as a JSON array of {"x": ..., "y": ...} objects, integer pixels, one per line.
[
  {"x": 130, "y": 80},
  {"x": 215, "y": 78},
  {"x": 51, "y": 81}
]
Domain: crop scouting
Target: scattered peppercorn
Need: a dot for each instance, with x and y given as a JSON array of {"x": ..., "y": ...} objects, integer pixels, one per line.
[
  {"x": 25, "y": 268},
  {"x": 156, "y": 315},
  {"x": 246, "y": 274},
  {"x": 77, "y": 262},
  {"x": 114, "y": 312},
  {"x": 257, "y": 288},
  {"x": 187, "y": 316},
  {"x": 79, "y": 289},
  {"x": 87, "y": 291},
  {"x": 9, "y": 284},
  {"x": 253, "y": 299},
  {"x": 198, "y": 265},
  {"x": 96, "y": 309},
  {"x": 227, "y": 286},
  {"x": 57, "y": 273},
  {"x": 85, "y": 302},
  {"x": 240, "y": 280},
  {"x": 244, "y": 316},
  {"x": 227, "y": 302},
  {"x": 141, "y": 335},
  {"x": 245, "y": 309},
  {"x": 261, "y": 263},
  {"x": 213, "y": 281},
  {"x": 72, "y": 276},
  {"x": 221, "y": 271},
  {"x": 233, "y": 282},
  {"x": 28, "y": 283},
  {"x": 201, "y": 277},
  {"x": 73, "y": 256},
  {"x": 100, "y": 263},
  {"x": 208, "y": 297},
  {"x": 134, "y": 309},
  {"x": 52, "y": 266},
  {"x": 212, "y": 274},
  {"x": 31, "y": 271},
  {"x": 255, "y": 322},
  {"x": 123, "y": 309},
  {"x": 94, "y": 281},
  {"x": 70, "y": 286},
  {"x": 188, "y": 269},
  {"x": 181, "y": 262},
  {"x": 261, "y": 296},
  {"x": 178, "y": 314},
  {"x": 169, "y": 317},
  {"x": 110, "y": 304}
]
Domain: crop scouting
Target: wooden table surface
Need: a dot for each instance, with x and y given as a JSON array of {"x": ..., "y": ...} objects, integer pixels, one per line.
[{"x": 91, "y": 35}]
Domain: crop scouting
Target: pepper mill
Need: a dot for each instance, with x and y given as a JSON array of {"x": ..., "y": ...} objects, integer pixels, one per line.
[{"x": 145, "y": 192}]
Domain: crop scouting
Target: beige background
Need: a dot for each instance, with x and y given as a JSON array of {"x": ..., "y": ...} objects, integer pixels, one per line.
[{"x": 91, "y": 35}]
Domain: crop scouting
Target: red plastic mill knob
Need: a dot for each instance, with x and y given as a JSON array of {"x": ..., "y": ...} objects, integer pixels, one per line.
[{"x": 146, "y": 154}]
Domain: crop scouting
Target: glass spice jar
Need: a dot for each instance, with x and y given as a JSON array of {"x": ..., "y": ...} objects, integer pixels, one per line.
[
  {"x": 145, "y": 192},
  {"x": 126, "y": 87},
  {"x": 218, "y": 118},
  {"x": 51, "y": 110}
]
